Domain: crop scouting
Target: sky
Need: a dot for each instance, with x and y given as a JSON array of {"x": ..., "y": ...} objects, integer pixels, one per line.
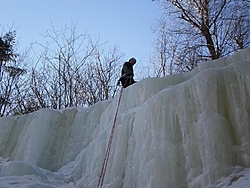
[{"x": 125, "y": 23}]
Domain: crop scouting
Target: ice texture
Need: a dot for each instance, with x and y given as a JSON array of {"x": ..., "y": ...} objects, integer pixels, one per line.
[{"x": 184, "y": 130}]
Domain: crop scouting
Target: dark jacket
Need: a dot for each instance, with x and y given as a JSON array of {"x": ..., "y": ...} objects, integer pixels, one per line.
[
  {"x": 127, "y": 70},
  {"x": 127, "y": 75}
]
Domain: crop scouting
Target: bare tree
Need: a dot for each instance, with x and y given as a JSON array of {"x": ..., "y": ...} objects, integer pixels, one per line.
[
  {"x": 53, "y": 81},
  {"x": 202, "y": 30},
  {"x": 162, "y": 60},
  {"x": 238, "y": 25},
  {"x": 102, "y": 74},
  {"x": 73, "y": 70}
]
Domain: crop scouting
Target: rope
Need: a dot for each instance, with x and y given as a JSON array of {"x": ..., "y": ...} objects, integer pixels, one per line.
[{"x": 105, "y": 163}]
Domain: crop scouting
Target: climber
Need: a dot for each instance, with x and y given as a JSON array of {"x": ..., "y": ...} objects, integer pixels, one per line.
[{"x": 127, "y": 74}]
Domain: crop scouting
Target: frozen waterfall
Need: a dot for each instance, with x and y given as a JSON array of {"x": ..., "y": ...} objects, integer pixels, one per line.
[{"x": 185, "y": 130}]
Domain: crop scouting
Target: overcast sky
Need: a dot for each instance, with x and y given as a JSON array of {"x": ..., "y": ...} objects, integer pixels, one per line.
[{"x": 125, "y": 23}]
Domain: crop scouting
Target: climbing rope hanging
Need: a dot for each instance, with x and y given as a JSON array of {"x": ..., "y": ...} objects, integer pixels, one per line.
[{"x": 105, "y": 162}]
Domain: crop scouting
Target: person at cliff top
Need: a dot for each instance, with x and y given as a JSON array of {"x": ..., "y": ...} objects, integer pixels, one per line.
[{"x": 127, "y": 73}]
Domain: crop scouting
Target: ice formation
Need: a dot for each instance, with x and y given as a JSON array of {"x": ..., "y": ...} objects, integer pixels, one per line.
[{"x": 185, "y": 130}]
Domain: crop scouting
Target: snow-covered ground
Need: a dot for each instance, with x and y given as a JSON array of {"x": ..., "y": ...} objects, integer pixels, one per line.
[{"x": 186, "y": 130}]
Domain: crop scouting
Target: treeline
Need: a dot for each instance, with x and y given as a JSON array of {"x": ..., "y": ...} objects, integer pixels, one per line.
[
  {"x": 70, "y": 71},
  {"x": 193, "y": 31}
]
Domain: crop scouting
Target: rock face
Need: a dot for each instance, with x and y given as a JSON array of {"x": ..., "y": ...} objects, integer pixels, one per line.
[{"x": 184, "y": 130}]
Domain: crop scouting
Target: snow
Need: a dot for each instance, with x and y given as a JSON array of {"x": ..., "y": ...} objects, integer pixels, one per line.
[{"x": 185, "y": 130}]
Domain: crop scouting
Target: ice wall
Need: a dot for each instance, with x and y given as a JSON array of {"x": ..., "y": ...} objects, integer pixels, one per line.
[{"x": 185, "y": 130}]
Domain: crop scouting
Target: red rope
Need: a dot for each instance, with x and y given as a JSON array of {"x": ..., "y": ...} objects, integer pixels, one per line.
[{"x": 105, "y": 163}]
